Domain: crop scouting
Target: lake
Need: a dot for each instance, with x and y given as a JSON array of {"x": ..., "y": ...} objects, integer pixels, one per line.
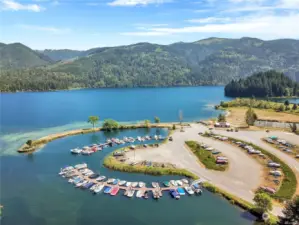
[{"x": 31, "y": 191}]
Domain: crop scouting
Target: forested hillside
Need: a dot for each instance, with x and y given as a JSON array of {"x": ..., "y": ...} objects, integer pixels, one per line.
[
  {"x": 263, "y": 84},
  {"x": 17, "y": 55},
  {"x": 213, "y": 61}
]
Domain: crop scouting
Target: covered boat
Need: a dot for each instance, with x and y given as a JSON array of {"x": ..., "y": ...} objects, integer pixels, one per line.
[
  {"x": 141, "y": 184},
  {"x": 166, "y": 183},
  {"x": 139, "y": 194},
  {"x": 189, "y": 190},
  {"x": 174, "y": 193},
  {"x": 181, "y": 191},
  {"x": 107, "y": 189},
  {"x": 134, "y": 184},
  {"x": 122, "y": 182}
]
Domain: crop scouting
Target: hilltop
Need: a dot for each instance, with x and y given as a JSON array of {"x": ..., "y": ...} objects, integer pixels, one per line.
[{"x": 212, "y": 61}]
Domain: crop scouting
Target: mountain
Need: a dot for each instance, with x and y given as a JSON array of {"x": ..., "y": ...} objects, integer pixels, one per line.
[
  {"x": 263, "y": 84},
  {"x": 17, "y": 55},
  {"x": 212, "y": 61},
  {"x": 62, "y": 54}
]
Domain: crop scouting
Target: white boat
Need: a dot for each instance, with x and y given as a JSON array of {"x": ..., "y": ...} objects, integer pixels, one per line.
[
  {"x": 185, "y": 181},
  {"x": 128, "y": 184},
  {"x": 141, "y": 184},
  {"x": 98, "y": 188},
  {"x": 189, "y": 190},
  {"x": 93, "y": 187},
  {"x": 172, "y": 182},
  {"x": 139, "y": 138},
  {"x": 70, "y": 180},
  {"x": 111, "y": 180},
  {"x": 101, "y": 178},
  {"x": 122, "y": 182},
  {"x": 154, "y": 184},
  {"x": 82, "y": 183},
  {"x": 156, "y": 137},
  {"x": 139, "y": 194},
  {"x": 134, "y": 184},
  {"x": 76, "y": 151},
  {"x": 131, "y": 193},
  {"x": 179, "y": 182}
]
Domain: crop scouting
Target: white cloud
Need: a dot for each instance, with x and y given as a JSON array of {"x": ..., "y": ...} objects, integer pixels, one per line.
[
  {"x": 210, "y": 20},
  {"x": 53, "y": 30},
  {"x": 262, "y": 26},
  {"x": 16, "y": 6},
  {"x": 136, "y": 2}
]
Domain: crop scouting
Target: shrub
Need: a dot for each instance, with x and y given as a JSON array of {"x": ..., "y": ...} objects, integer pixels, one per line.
[{"x": 29, "y": 142}]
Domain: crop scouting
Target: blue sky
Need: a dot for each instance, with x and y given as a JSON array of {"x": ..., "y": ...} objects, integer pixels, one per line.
[{"x": 83, "y": 24}]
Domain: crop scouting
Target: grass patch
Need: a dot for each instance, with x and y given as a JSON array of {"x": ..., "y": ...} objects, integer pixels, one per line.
[
  {"x": 112, "y": 163},
  {"x": 205, "y": 157}
]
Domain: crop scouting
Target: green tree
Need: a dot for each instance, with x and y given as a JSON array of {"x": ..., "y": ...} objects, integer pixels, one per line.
[
  {"x": 291, "y": 213},
  {"x": 29, "y": 142},
  {"x": 221, "y": 118},
  {"x": 293, "y": 127},
  {"x": 147, "y": 123},
  {"x": 281, "y": 108},
  {"x": 157, "y": 119},
  {"x": 294, "y": 107},
  {"x": 110, "y": 124},
  {"x": 93, "y": 120},
  {"x": 173, "y": 127},
  {"x": 250, "y": 117},
  {"x": 262, "y": 202},
  {"x": 286, "y": 102}
]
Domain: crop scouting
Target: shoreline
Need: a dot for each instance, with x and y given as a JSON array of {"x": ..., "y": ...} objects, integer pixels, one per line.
[{"x": 38, "y": 143}]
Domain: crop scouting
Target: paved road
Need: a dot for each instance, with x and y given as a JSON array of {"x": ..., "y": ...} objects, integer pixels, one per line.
[
  {"x": 241, "y": 178},
  {"x": 255, "y": 137}
]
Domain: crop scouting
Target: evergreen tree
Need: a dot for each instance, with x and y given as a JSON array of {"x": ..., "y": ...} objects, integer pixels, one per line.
[
  {"x": 250, "y": 117},
  {"x": 291, "y": 213}
]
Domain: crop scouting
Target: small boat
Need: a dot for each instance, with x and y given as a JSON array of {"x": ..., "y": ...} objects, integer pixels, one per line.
[
  {"x": 134, "y": 184},
  {"x": 141, "y": 184},
  {"x": 83, "y": 182},
  {"x": 173, "y": 183},
  {"x": 88, "y": 185},
  {"x": 181, "y": 191},
  {"x": 156, "y": 194},
  {"x": 139, "y": 194},
  {"x": 145, "y": 195},
  {"x": 128, "y": 184},
  {"x": 114, "y": 190},
  {"x": 185, "y": 181},
  {"x": 81, "y": 166},
  {"x": 94, "y": 176},
  {"x": 155, "y": 184},
  {"x": 179, "y": 182},
  {"x": 189, "y": 190},
  {"x": 115, "y": 182},
  {"x": 76, "y": 151},
  {"x": 107, "y": 189},
  {"x": 77, "y": 181},
  {"x": 166, "y": 183},
  {"x": 156, "y": 137},
  {"x": 131, "y": 193},
  {"x": 174, "y": 194},
  {"x": 98, "y": 188},
  {"x": 122, "y": 182},
  {"x": 101, "y": 178},
  {"x": 110, "y": 181}
]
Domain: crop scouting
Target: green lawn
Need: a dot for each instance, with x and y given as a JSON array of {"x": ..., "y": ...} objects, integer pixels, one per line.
[{"x": 205, "y": 157}]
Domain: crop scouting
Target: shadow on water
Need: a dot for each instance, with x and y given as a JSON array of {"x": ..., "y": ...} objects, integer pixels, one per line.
[{"x": 95, "y": 138}]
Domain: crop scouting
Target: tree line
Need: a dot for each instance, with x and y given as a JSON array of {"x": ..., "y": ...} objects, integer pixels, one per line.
[{"x": 263, "y": 84}]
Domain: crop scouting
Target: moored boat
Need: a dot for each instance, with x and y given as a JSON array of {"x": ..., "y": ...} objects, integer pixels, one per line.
[
  {"x": 76, "y": 151},
  {"x": 110, "y": 181},
  {"x": 166, "y": 183},
  {"x": 185, "y": 181},
  {"x": 181, "y": 191},
  {"x": 128, "y": 184},
  {"x": 122, "y": 182},
  {"x": 131, "y": 193},
  {"x": 114, "y": 190},
  {"x": 145, "y": 195},
  {"x": 134, "y": 184},
  {"x": 107, "y": 189},
  {"x": 101, "y": 178},
  {"x": 155, "y": 184},
  {"x": 179, "y": 182},
  {"x": 174, "y": 194},
  {"x": 139, "y": 194},
  {"x": 115, "y": 182},
  {"x": 98, "y": 188},
  {"x": 141, "y": 184},
  {"x": 189, "y": 190}
]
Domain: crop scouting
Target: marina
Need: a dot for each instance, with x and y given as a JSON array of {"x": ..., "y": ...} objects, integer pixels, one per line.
[
  {"x": 82, "y": 177},
  {"x": 89, "y": 150}
]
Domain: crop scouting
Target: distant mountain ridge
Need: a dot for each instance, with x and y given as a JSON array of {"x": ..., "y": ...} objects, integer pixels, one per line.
[{"x": 212, "y": 61}]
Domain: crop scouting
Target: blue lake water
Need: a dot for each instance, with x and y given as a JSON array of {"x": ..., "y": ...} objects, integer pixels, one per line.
[{"x": 31, "y": 191}]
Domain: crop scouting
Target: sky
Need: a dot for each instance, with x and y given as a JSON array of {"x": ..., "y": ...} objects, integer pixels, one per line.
[{"x": 84, "y": 24}]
